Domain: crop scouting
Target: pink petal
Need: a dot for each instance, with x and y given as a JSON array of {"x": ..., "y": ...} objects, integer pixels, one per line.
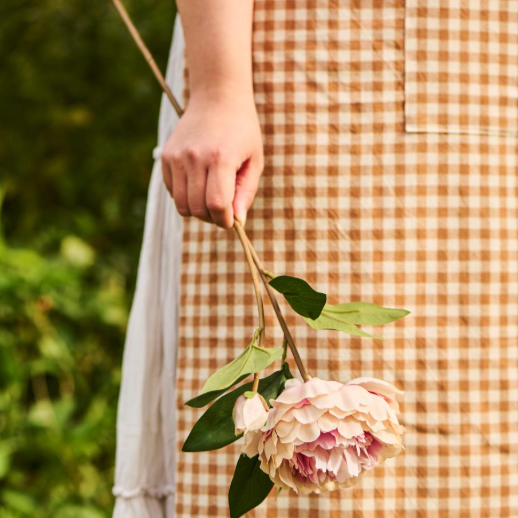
[
  {"x": 320, "y": 457},
  {"x": 353, "y": 466},
  {"x": 269, "y": 448},
  {"x": 327, "y": 422},
  {"x": 293, "y": 382},
  {"x": 393, "y": 404},
  {"x": 287, "y": 478},
  {"x": 347, "y": 399},
  {"x": 270, "y": 422},
  {"x": 307, "y": 414},
  {"x": 343, "y": 472},
  {"x": 340, "y": 413},
  {"x": 335, "y": 461},
  {"x": 312, "y": 388},
  {"x": 280, "y": 411},
  {"x": 378, "y": 408},
  {"x": 254, "y": 413},
  {"x": 376, "y": 385},
  {"x": 283, "y": 428},
  {"x": 308, "y": 432},
  {"x": 251, "y": 446},
  {"x": 327, "y": 441},
  {"x": 237, "y": 414},
  {"x": 349, "y": 428},
  {"x": 370, "y": 422},
  {"x": 290, "y": 434},
  {"x": 284, "y": 451}
]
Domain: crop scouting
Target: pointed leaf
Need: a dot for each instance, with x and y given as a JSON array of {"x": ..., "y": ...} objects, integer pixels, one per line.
[
  {"x": 252, "y": 359},
  {"x": 365, "y": 313},
  {"x": 287, "y": 374},
  {"x": 215, "y": 428},
  {"x": 249, "y": 487},
  {"x": 204, "y": 399},
  {"x": 337, "y": 321},
  {"x": 300, "y": 295}
]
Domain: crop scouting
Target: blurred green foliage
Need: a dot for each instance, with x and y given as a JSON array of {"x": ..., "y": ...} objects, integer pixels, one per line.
[{"x": 78, "y": 118}]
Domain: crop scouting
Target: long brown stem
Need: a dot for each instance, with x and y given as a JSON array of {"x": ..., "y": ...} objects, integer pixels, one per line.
[
  {"x": 240, "y": 231},
  {"x": 147, "y": 55},
  {"x": 277, "y": 309},
  {"x": 250, "y": 253}
]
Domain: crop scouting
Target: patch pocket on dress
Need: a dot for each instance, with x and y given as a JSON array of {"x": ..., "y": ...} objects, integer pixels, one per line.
[{"x": 461, "y": 66}]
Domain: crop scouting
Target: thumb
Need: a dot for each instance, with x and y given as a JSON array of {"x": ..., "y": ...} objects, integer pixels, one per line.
[{"x": 247, "y": 182}]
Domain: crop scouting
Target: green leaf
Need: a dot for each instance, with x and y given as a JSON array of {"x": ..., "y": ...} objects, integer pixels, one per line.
[
  {"x": 365, "y": 313},
  {"x": 343, "y": 317},
  {"x": 300, "y": 295},
  {"x": 215, "y": 428},
  {"x": 204, "y": 399},
  {"x": 325, "y": 321},
  {"x": 287, "y": 375},
  {"x": 252, "y": 359},
  {"x": 249, "y": 487}
]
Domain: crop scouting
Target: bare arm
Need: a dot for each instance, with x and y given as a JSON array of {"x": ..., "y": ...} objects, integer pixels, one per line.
[{"x": 213, "y": 160}]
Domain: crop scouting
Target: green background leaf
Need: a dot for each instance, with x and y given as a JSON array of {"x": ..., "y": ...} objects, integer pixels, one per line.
[
  {"x": 252, "y": 359},
  {"x": 215, "y": 428},
  {"x": 63, "y": 317},
  {"x": 300, "y": 295},
  {"x": 249, "y": 487}
]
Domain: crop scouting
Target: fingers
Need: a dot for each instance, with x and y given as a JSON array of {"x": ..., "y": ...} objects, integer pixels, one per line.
[
  {"x": 173, "y": 163},
  {"x": 202, "y": 186},
  {"x": 221, "y": 182},
  {"x": 208, "y": 187},
  {"x": 167, "y": 176},
  {"x": 196, "y": 187},
  {"x": 247, "y": 182}
]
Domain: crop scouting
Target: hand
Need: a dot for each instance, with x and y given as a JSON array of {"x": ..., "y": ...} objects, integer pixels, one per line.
[{"x": 214, "y": 158}]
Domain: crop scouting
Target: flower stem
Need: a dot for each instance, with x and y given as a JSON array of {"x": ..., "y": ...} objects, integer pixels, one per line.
[
  {"x": 280, "y": 318},
  {"x": 147, "y": 55},
  {"x": 250, "y": 253},
  {"x": 284, "y": 350},
  {"x": 240, "y": 231}
]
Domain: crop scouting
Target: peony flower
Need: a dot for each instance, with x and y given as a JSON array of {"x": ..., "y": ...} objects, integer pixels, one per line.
[
  {"x": 250, "y": 413},
  {"x": 323, "y": 435}
]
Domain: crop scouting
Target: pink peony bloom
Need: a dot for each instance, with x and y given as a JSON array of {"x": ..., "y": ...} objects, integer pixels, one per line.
[
  {"x": 249, "y": 414},
  {"x": 322, "y": 435}
]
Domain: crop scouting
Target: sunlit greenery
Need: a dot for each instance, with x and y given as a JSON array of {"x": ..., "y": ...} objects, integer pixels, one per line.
[{"x": 78, "y": 118}]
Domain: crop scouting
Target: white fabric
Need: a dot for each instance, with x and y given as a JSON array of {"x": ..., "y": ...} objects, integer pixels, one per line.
[{"x": 146, "y": 424}]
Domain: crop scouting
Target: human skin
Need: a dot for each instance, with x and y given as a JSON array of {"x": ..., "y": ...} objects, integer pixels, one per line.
[{"x": 213, "y": 160}]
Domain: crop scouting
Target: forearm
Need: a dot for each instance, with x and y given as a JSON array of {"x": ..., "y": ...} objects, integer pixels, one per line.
[
  {"x": 218, "y": 37},
  {"x": 214, "y": 158}
]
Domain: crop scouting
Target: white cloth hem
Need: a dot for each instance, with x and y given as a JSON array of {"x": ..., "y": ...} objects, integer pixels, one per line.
[{"x": 154, "y": 492}]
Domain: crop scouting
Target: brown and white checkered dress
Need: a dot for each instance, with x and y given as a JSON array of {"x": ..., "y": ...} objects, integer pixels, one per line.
[{"x": 391, "y": 176}]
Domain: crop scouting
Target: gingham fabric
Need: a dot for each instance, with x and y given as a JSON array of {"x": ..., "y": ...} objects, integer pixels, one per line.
[
  {"x": 365, "y": 208},
  {"x": 461, "y": 66}
]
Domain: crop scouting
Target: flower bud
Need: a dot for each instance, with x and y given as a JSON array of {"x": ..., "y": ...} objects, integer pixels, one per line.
[{"x": 250, "y": 413}]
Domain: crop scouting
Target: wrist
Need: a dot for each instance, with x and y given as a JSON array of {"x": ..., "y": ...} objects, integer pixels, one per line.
[{"x": 231, "y": 93}]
